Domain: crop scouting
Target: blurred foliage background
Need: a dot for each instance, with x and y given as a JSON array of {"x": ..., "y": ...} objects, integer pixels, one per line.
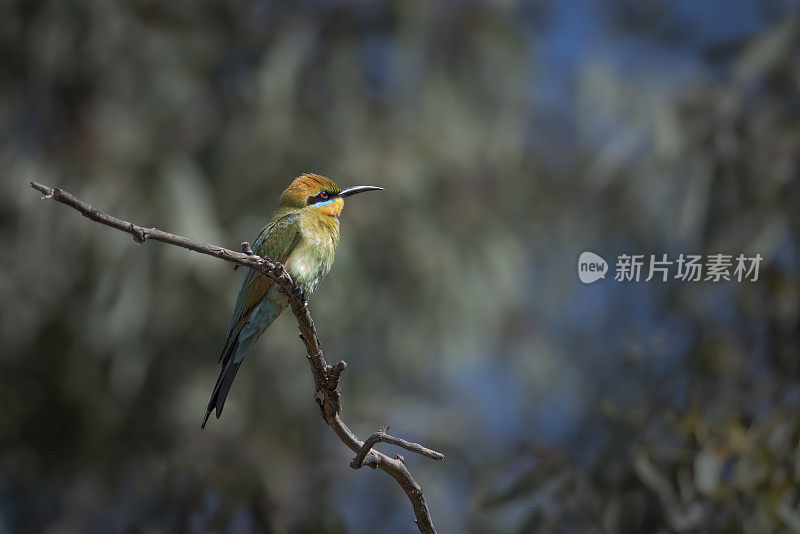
[{"x": 510, "y": 138}]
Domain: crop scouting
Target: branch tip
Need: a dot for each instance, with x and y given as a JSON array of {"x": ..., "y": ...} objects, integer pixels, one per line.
[{"x": 382, "y": 436}]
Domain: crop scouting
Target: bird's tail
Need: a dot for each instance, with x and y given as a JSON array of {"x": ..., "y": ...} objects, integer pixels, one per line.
[{"x": 223, "y": 385}]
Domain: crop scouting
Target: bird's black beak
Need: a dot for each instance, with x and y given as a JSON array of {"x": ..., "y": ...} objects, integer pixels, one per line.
[{"x": 358, "y": 189}]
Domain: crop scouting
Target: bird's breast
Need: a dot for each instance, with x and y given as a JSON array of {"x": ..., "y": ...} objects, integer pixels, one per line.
[{"x": 312, "y": 259}]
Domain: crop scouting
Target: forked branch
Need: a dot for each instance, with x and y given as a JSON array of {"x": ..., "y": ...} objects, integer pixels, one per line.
[
  {"x": 326, "y": 377},
  {"x": 382, "y": 436}
]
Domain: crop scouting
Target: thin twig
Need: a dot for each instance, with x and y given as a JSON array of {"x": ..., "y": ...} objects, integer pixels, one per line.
[
  {"x": 326, "y": 377},
  {"x": 382, "y": 436}
]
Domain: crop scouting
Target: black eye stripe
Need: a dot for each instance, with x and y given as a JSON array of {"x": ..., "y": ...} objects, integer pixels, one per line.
[{"x": 321, "y": 197}]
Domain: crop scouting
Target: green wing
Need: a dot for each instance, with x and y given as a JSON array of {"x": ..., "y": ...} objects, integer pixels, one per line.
[{"x": 276, "y": 241}]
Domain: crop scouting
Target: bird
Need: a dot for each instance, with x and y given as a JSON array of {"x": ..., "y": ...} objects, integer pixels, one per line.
[{"x": 302, "y": 234}]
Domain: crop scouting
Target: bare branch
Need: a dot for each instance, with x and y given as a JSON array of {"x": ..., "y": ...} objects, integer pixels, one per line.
[
  {"x": 245, "y": 250},
  {"x": 382, "y": 436},
  {"x": 326, "y": 376}
]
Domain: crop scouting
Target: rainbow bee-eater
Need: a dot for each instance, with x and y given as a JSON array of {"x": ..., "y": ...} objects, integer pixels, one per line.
[{"x": 303, "y": 234}]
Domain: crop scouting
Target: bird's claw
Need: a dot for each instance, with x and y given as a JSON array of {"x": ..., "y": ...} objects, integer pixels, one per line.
[{"x": 302, "y": 296}]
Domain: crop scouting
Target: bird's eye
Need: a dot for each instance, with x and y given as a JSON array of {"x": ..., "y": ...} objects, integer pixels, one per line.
[{"x": 323, "y": 195}]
